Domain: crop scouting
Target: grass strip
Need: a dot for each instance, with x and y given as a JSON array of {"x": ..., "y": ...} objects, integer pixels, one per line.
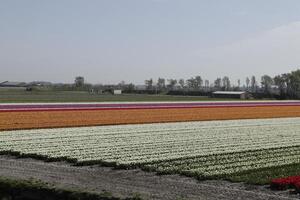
[{"x": 263, "y": 176}]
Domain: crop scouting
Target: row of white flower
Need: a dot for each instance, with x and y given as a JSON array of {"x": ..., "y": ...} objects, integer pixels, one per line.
[
  {"x": 138, "y": 144},
  {"x": 230, "y": 163}
]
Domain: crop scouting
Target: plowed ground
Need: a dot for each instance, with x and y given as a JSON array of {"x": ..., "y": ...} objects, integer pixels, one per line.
[{"x": 53, "y": 119}]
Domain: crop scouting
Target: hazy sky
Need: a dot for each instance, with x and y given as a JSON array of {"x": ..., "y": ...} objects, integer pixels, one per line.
[{"x": 107, "y": 41}]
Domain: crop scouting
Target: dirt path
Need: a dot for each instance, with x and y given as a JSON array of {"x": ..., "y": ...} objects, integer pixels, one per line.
[{"x": 125, "y": 183}]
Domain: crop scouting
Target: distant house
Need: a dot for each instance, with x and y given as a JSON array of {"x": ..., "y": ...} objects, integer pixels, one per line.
[
  {"x": 40, "y": 83},
  {"x": 117, "y": 91},
  {"x": 13, "y": 85},
  {"x": 230, "y": 94}
]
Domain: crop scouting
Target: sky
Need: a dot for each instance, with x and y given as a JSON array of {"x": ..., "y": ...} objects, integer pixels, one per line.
[{"x": 108, "y": 41}]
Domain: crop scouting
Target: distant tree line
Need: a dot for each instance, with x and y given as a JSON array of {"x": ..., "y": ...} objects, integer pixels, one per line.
[{"x": 284, "y": 86}]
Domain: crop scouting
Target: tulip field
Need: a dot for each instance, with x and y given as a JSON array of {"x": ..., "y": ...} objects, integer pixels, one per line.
[
  {"x": 200, "y": 149},
  {"x": 256, "y": 137},
  {"x": 54, "y": 115}
]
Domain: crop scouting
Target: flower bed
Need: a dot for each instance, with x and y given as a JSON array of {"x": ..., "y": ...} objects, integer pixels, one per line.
[
  {"x": 52, "y": 119},
  {"x": 200, "y": 149}
]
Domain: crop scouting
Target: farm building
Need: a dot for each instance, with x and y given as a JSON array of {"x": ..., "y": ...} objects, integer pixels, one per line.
[
  {"x": 230, "y": 94},
  {"x": 12, "y": 85},
  {"x": 117, "y": 91}
]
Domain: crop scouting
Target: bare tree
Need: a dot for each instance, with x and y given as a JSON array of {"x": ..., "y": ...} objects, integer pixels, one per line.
[
  {"x": 181, "y": 83},
  {"x": 253, "y": 84},
  {"x": 171, "y": 84},
  {"x": 79, "y": 81},
  {"x": 206, "y": 83},
  {"x": 191, "y": 83},
  {"x": 247, "y": 82},
  {"x": 266, "y": 82},
  {"x": 199, "y": 82},
  {"x": 226, "y": 83},
  {"x": 149, "y": 84},
  {"x": 280, "y": 82},
  {"x": 218, "y": 83},
  {"x": 161, "y": 84}
]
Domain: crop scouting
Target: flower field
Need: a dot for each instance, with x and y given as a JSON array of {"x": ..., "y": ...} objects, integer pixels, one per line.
[
  {"x": 28, "y": 116},
  {"x": 202, "y": 149}
]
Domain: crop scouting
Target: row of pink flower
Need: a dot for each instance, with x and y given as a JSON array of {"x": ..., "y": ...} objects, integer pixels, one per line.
[{"x": 143, "y": 105}]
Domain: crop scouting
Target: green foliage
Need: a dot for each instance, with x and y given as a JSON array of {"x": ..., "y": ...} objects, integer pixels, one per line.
[
  {"x": 289, "y": 84},
  {"x": 79, "y": 81},
  {"x": 265, "y": 175},
  {"x": 81, "y": 96},
  {"x": 266, "y": 82}
]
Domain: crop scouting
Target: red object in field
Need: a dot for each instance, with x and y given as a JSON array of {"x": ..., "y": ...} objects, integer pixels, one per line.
[{"x": 285, "y": 183}]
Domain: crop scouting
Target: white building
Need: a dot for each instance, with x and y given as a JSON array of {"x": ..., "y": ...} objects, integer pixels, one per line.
[
  {"x": 230, "y": 94},
  {"x": 117, "y": 91}
]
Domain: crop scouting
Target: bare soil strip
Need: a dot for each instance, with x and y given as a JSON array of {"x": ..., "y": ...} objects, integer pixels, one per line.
[
  {"x": 127, "y": 183},
  {"x": 55, "y": 119}
]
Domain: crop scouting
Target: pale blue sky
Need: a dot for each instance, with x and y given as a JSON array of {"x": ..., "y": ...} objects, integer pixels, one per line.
[{"x": 107, "y": 41}]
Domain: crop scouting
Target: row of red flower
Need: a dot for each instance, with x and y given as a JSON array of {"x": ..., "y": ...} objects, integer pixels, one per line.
[{"x": 286, "y": 183}]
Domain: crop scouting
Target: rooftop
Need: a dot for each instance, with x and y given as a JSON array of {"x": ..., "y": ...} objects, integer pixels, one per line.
[
  {"x": 10, "y": 83},
  {"x": 230, "y": 92}
]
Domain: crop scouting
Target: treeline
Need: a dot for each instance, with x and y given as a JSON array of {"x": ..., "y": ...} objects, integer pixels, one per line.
[
  {"x": 288, "y": 84},
  {"x": 284, "y": 86}
]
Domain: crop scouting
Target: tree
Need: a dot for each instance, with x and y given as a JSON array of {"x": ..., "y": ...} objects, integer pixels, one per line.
[
  {"x": 161, "y": 84},
  {"x": 172, "y": 83},
  {"x": 293, "y": 80},
  {"x": 287, "y": 79},
  {"x": 280, "y": 82},
  {"x": 191, "y": 83},
  {"x": 198, "y": 81},
  {"x": 206, "y": 83},
  {"x": 239, "y": 83},
  {"x": 122, "y": 85},
  {"x": 289, "y": 84},
  {"x": 218, "y": 83},
  {"x": 149, "y": 84},
  {"x": 247, "y": 82},
  {"x": 79, "y": 81},
  {"x": 130, "y": 87},
  {"x": 266, "y": 83},
  {"x": 226, "y": 83},
  {"x": 253, "y": 84},
  {"x": 181, "y": 83}
]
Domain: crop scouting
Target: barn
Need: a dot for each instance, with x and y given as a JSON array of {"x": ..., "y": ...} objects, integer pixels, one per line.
[
  {"x": 117, "y": 91},
  {"x": 230, "y": 94}
]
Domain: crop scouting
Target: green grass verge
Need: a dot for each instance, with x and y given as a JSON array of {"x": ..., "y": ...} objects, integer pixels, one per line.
[
  {"x": 35, "y": 189},
  {"x": 78, "y": 96}
]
